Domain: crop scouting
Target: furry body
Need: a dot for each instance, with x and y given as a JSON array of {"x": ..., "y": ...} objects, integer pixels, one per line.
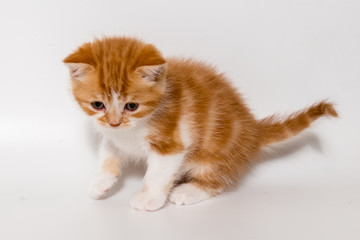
[{"x": 190, "y": 125}]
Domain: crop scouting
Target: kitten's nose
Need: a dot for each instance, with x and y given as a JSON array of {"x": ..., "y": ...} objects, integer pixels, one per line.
[{"x": 114, "y": 124}]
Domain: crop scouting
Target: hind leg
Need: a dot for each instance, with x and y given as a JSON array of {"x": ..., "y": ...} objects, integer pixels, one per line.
[
  {"x": 203, "y": 182},
  {"x": 208, "y": 175},
  {"x": 188, "y": 193}
]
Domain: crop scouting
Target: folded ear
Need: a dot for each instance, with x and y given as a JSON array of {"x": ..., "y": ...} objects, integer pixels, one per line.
[
  {"x": 152, "y": 73},
  {"x": 79, "y": 70}
]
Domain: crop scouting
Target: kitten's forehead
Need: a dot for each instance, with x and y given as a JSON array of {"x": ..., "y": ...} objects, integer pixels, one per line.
[
  {"x": 113, "y": 96},
  {"x": 117, "y": 97}
]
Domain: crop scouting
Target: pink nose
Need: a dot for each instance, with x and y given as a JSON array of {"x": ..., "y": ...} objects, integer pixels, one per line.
[{"x": 114, "y": 124}]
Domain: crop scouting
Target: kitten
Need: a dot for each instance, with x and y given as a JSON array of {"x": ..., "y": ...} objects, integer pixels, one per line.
[{"x": 181, "y": 116}]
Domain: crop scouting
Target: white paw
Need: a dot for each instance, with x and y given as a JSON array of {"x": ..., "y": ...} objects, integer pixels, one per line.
[
  {"x": 145, "y": 201},
  {"x": 101, "y": 184},
  {"x": 187, "y": 194}
]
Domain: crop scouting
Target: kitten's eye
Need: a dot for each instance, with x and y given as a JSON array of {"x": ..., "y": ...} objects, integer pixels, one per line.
[
  {"x": 98, "y": 105},
  {"x": 131, "y": 106}
]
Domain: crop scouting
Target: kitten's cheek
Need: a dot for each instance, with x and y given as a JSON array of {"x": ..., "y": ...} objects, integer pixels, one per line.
[
  {"x": 126, "y": 123},
  {"x": 101, "y": 123}
]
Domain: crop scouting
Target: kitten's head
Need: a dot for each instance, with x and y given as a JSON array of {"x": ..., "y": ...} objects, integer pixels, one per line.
[{"x": 117, "y": 81}]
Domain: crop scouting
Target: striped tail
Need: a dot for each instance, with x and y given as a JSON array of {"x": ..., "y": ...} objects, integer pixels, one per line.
[{"x": 274, "y": 130}]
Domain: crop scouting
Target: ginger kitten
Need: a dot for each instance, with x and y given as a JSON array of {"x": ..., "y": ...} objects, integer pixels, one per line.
[{"x": 181, "y": 116}]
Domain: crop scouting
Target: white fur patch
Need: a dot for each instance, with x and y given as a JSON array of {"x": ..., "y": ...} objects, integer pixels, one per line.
[
  {"x": 145, "y": 201},
  {"x": 101, "y": 184},
  {"x": 116, "y": 105},
  {"x": 187, "y": 194},
  {"x": 130, "y": 143},
  {"x": 185, "y": 133}
]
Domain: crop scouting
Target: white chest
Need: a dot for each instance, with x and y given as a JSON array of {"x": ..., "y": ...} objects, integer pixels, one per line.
[{"x": 131, "y": 143}]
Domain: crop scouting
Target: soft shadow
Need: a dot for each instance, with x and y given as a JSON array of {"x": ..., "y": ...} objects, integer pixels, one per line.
[
  {"x": 284, "y": 149},
  {"x": 129, "y": 171}
]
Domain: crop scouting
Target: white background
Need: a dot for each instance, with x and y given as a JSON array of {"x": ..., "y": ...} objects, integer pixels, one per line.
[{"x": 281, "y": 54}]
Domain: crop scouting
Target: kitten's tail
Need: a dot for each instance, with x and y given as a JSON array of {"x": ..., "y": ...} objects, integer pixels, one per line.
[{"x": 274, "y": 130}]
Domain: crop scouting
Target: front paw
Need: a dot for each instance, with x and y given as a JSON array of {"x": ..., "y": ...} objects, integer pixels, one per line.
[
  {"x": 145, "y": 201},
  {"x": 101, "y": 184}
]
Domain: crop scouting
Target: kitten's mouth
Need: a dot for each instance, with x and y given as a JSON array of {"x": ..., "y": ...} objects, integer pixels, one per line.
[
  {"x": 114, "y": 125},
  {"x": 118, "y": 126}
]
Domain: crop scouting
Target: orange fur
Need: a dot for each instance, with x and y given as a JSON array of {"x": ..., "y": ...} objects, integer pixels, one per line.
[
  {"x": 111, "y": 166},
  {"x": 225, "y": 136},
  {"x": 276, "y": 130}
]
